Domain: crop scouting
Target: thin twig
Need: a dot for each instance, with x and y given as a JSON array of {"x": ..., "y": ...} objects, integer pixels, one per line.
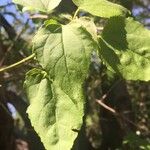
[
  {"x": 39, "y": 16},
  {"x": 106, "y": 106},
  {"x": 75, "y": 14},
  {"x": 116, "y": 113},
  {"x": 113, "y": 86},
  {"x": 18, "y": 63},
  {"x": 101, "y": 103}
]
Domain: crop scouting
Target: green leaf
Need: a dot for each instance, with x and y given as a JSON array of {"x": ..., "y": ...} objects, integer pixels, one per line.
[
  {"x": 42, "y": 5},
  {"x": 101, "y": 8},
  {"x": 56, "y": 96},
  {"x": 125, "y": 47},
  {"x": 51, "y": 21},
  {"x": 90, "y": 26},
  {"x": 72, "y": 41},
  {"x": 52, "y": 112}
]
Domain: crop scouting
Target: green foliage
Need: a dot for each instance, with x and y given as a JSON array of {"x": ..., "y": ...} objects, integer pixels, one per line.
[
  {"x": 56, "y": 96},
  {"x": 50, "y": 111},
  {"x": 101, "y": 8},
  {"x": 63, "y": 51},
  {"x": 125, "y": 48},
  {"x": 42, "y": 5}
]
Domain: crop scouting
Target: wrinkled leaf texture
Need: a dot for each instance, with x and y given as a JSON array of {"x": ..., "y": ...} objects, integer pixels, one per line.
[
  {"x": 125, "y": 48},
  {"x": 56, "y": 95}
]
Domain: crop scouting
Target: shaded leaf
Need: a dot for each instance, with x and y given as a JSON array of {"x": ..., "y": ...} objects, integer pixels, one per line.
[{"x": 125, "y": 47}]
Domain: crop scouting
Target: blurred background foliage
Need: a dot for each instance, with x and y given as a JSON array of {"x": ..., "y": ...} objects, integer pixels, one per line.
[{"x": 102, "y": 130}]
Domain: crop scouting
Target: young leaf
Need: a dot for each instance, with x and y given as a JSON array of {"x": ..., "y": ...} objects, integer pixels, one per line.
[
  {"x": 56, "y": 96},
  {"x": 42, "y": 5},
  {"x": 101, "y": 8},
  {"x": 125, "y": 47}
]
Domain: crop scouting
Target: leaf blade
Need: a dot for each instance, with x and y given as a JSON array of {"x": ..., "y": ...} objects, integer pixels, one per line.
[
  {"x": 47, "y": 120},
  {"x": 128, "y": 43},
  {"x": 101, "y": 8},
  {"x": 42, "y": 5},
  {"x": 59, "y": 50}
]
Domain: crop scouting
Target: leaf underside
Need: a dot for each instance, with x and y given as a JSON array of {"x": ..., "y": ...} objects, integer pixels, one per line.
[{"x": 56, "y": 95}]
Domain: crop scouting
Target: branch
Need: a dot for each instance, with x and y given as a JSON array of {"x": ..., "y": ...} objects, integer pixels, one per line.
[
  {"x": 111, "y": 88},
  {"x": 106, "y": 107},
  {"x": 18, "y": 63},
  {"x": 117, "y": 114},
  {"x": 39, "y": 16},
  {"x": 8, "y": 28},
  {"x": 75, "y": 14}
]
